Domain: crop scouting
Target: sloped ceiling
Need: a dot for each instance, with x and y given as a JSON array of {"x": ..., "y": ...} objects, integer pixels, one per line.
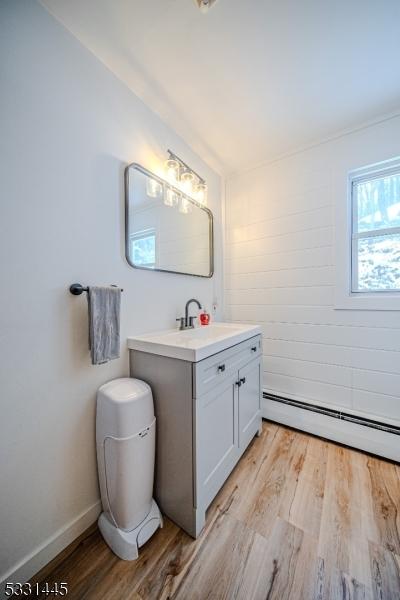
[{"x": 251, "y": 79}]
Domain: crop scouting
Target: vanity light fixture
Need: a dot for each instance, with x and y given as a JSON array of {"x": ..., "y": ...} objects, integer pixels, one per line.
[
  {"x": 204, "y": 5},
  {"x": 172, "y": 170},
  {"x": 178, "y": 172},
  {"x": 201, "y": 193},
  {"x": 187, "y": 180}
]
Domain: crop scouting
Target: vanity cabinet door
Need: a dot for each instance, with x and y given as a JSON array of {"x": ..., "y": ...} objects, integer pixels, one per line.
[
  {"x": 249, "y": 402},
  {"x": 217, "y": 448}
]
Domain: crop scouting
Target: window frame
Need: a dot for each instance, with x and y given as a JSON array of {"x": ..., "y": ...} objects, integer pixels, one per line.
[
  {"x": 357, "y": 235},
  {"x": 344, "y": 297}
]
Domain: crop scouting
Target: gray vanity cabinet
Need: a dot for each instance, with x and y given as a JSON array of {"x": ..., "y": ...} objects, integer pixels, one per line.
[{"x": 207, "y": 413}]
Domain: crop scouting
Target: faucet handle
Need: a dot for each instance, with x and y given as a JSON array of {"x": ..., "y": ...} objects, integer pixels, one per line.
[
  {"x": 191, "y": 321},
  {"x": 182, "y": 322}
]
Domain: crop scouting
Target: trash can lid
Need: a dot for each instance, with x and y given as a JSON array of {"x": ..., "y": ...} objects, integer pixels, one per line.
[
  {"x": 125, "y": 389},
  {"x": 124, "y": 407}
]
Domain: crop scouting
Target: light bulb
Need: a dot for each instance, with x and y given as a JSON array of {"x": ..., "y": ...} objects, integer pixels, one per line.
[
  {"x": 171, "y": 197},
  {"x": 187, "y": 179},
  {"x": 185, "y": 206},
  {"x": 201, "y": 193},
  {"x": 153, "y": 188},
  {"x": 172, "y": 170}
]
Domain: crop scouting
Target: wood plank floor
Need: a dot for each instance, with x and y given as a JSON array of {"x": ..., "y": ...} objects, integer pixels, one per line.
[{"x": 300, "y": 518}]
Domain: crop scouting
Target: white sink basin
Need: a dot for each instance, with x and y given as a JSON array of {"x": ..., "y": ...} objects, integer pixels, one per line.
[{"x": 194, "y": 344}]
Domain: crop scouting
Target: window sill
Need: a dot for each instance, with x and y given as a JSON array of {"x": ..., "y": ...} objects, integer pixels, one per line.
[{"x": 367, "y": 301}]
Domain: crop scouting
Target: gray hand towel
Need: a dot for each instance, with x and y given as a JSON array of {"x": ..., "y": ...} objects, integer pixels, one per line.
[{"x": 104, "y": 320}]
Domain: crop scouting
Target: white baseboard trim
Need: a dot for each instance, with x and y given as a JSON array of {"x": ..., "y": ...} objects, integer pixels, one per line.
[
  {"x": 49, "y": 549},
  {"x": 371, "y": 440}
]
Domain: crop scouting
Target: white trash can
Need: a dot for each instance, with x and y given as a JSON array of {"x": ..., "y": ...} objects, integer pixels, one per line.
[{"x": 125, "y": 440}]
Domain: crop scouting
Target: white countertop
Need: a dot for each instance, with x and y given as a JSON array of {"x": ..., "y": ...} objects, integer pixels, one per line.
[{"x": 194, "y": 344}]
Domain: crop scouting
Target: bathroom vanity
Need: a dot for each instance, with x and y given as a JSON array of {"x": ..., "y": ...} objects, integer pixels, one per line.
[{"x": 206, "y": 385}]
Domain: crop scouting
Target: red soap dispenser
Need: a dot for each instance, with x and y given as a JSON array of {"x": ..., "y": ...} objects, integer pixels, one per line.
[{"x": 204, "y": 317}]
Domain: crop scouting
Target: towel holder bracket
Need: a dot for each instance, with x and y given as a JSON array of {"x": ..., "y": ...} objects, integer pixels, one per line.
[{"x": 77, "y": 289}]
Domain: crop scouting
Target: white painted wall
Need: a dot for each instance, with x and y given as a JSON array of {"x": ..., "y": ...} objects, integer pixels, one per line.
[
  {"x": 68, "y": 128},
  {"x": 280, "y": 272}
]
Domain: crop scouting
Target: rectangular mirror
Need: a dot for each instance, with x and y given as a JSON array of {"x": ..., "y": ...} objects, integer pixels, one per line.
[{"x": 165, "y": 229}]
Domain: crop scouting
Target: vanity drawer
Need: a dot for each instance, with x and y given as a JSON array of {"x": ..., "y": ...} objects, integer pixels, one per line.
[{"x": 213, "y": 370}]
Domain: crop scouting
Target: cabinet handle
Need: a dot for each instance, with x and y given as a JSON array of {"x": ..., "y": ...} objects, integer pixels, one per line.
[
  {"x": 254, "y": 349},
  {"x": 243, "y": 380},
  {"x": 221, "y": 368},
  {"x": 238, "y": 383}
]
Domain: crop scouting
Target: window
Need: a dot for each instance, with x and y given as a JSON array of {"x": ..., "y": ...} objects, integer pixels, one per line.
[
  {"x": 375, "y": 240},
  {"x": 143, "y": 248}
]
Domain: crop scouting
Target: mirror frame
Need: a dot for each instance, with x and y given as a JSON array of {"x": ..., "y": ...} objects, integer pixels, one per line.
[{"x": 164, "y": 183}]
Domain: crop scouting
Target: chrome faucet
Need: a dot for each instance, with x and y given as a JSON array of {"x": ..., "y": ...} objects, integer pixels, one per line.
[{"x": 187, "y": 322}]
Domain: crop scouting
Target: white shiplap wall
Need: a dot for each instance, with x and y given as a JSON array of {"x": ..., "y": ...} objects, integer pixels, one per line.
[{"x": 280, "y": 273}]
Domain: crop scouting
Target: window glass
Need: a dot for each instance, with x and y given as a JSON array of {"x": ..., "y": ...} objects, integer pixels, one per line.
[
  {"x": 379, "y": 263},
  {"x": 378, "y": 203},
  {"x": 143, "y": 249},
  {"x": 376, "y": 231}
]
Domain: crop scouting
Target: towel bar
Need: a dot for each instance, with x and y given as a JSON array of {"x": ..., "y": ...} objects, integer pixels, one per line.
[{"x": 77, "y": 288}]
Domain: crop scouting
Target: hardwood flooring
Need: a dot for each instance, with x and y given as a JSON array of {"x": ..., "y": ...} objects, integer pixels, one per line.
[{"x": 300, "y": 518}]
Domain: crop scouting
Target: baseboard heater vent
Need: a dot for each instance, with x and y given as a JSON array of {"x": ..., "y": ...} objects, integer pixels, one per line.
[{"x": 336, "y": 414}]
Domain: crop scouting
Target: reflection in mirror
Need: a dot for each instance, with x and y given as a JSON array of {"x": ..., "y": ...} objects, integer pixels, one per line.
[{"x": 165, "y": 229}]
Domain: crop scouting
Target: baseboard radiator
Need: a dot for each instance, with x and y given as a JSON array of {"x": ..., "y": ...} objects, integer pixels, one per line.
[{"x": 336, "y": 414}]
